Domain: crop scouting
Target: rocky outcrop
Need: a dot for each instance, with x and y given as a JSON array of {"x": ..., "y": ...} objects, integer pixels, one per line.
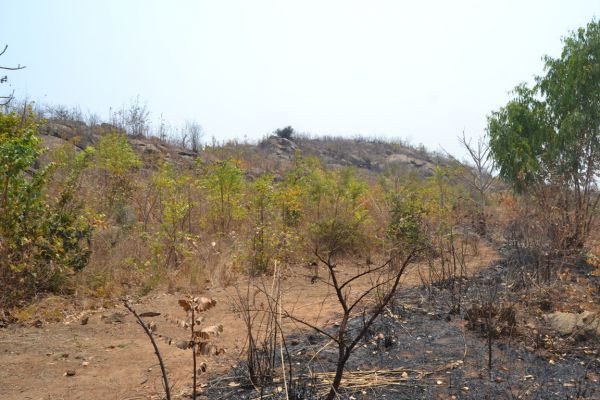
[
  {"x": 272, "y": 153},
  {"x": 74, "y": 132},
  {"x": 581, "y": 326},
  {"x": 372, "y": 155},
  {"x": 280, "y": 147}
]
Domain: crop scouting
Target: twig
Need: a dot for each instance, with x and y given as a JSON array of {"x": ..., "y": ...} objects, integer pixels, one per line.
[{"x": 156, "y": 351}]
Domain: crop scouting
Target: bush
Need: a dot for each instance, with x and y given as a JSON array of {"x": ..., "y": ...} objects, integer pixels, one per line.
[
  {"x": 42, "y": 240},
  {"x": 115, "y": 160},
  {"x": 285, "y": 133},
  {"x": 406, "y": 216},
  {"x": 338, "y": 211}
]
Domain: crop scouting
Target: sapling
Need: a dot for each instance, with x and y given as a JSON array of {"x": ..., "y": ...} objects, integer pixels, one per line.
[{"x": 199, "y": 341}]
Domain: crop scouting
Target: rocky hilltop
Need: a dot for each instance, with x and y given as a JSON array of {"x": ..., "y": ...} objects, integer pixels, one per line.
[{"x": 361, "y": 153}]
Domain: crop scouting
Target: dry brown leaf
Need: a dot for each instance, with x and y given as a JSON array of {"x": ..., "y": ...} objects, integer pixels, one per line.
[
  {"x": 179, "y": 322},
  {"x": 185, "y": 304},
  {"x": 199, "y": 336},
  {"x": 213, "y": 329},
  {"x": 207, "y": 349},
  {"x": 202, "y": 368},
  {"x": 152, "y": 326},
  {"x": 204, "y": 304}
]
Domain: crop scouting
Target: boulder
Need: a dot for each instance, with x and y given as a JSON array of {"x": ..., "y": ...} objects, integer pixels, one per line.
[
  {"x": 75, "y": 132},
  {"x": 582, "y": 326},
  {"x": 283, "y": 148},
  {"x": 105, "y": 129}
]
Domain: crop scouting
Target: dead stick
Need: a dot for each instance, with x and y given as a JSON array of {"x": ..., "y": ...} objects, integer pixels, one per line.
[{"x": 156, "y": 351}]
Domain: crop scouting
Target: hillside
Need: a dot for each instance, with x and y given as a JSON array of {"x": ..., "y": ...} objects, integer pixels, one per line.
[
  {"x": 373, "y": 155},
  {"x": 140, "y": 260},
  {"x": 447, "y": 289}
]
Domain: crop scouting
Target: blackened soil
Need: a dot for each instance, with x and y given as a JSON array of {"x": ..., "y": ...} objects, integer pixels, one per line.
[{"x": 430, "y": 353}]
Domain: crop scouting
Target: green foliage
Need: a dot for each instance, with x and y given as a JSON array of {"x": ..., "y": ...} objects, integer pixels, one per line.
[
  {"x": 115, "y": 159},
  {"x": 285, "y": 133},
  {"x": 114, "y": 155},
  {"x": 546, "y": 139},
  {"x": 264, "y": 226},
  {"x": 522, "y": 139},
  {"x": 337, "y": 200},
  {"x": 423, "y": 211},
  {"x": 41, "y": 241},
  {"x": 289, "y": 194},
  {"x": 169, "y": 244},
  {"x": 406, "y": 214},
  {"x": 224, "y": 183}
]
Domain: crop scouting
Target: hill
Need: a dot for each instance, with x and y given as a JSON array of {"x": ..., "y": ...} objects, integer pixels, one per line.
[{"x": 375, "y": 155}]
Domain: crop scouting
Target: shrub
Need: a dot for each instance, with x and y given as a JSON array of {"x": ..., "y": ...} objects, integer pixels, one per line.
[
  {"x": 262, "y": 218},
  {"x": 223, "y": 182},
  {"x": 338, "y": 208},
  {"x": 42, "y": 240},
  {"x": 285, "y": 133},
  {"x": 115, "y": 159}
]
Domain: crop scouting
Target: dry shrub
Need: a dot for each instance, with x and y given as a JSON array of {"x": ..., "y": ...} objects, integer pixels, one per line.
[
  {"x": 120, "y": 261},
  {"x": 260, "y": 309},
  {"x": 447, "y": 266},
  {"x": 535, "y": 239},
  {"x": 491, "y": 314}
]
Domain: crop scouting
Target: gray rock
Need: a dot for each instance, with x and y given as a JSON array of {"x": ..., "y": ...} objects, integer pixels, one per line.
[
  {"x": 283, "y": 148},
  {"x": 76, "y": 132},
  {"x": 583, "y": 325}
]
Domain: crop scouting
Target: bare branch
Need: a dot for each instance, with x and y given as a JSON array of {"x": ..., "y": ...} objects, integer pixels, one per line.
[
  {"x": 319, "y": 330},
  {"x": 156, "y": 351}
]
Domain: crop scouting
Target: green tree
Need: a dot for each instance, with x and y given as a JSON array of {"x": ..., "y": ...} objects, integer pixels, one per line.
[
  {"x": 42, "y": 240},
  {"x": 224, "y": 182},
  {"x": 173, "y": 214},
  {"x": 289, "y": 194},
  {"x": 263, "y": 219},
  {"x": 115, "y": 159},
  {"x": 337, "y": 201},
  {"x": 546, "y": 140},
  {"x": 406, "y": 214},
  {"x": 285, "y": 133}
]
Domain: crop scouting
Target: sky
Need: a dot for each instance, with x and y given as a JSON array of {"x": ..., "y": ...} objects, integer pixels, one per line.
[{"x": 424, "y": 71}]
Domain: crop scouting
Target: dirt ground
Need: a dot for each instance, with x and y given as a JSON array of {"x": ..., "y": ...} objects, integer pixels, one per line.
[
  {"x": 113, "y": 359},
  {"x": 109, "y": 357}
]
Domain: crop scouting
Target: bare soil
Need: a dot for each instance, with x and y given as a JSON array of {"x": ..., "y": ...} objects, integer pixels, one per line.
[{"x": 432, "y": 352}]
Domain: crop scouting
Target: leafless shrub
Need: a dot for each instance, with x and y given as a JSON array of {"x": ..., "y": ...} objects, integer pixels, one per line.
[
  {"x": 384, "y": 282},
  {"x": 260, "y": 309},
  {"x": 148, "y": 330},
  {"x": 6, "y": 99},
  {"x": 192, "y": 134},
  {"x": 491, "y": 315},
  {"x": 135, "y": 119},
  {"x": 534, "y": 255},
  {"x": 478, "y": 177},
  {"x": 63, "y": 113},
  {"x": 447, "y": 268},
  {"x": 92, "y": 119},
  {"x": 164, "y": 130}
]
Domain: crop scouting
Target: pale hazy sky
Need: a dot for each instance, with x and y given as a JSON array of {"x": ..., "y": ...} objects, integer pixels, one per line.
[{"x": 421, "y": 70}]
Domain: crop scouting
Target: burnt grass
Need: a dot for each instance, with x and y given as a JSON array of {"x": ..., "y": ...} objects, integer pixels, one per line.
[{"x": 443, "y": 350}]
